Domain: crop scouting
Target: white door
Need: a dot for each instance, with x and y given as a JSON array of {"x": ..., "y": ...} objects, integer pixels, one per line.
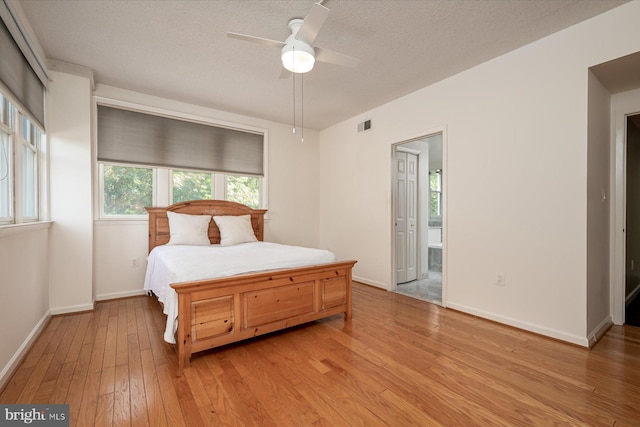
[
  {"x": 412, "y": 217},
  {"x": 406, "y": 171}
]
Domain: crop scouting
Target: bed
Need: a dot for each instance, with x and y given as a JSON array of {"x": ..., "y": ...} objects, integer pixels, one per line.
[{"x": 211, "y": 312}]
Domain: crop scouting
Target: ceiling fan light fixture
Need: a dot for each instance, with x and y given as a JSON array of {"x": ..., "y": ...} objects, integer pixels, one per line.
[{"x": 297, "y": 56}]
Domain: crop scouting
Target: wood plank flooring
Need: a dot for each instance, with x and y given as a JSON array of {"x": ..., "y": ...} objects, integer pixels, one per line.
[{"x": 398, "y": 362}]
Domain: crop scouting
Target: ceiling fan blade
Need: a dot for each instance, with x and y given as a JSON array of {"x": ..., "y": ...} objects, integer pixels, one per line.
[
  {"x": 312, "y": 24},
  {"x": 326, "y": 55},
  {"x": 259, "y": 40}
]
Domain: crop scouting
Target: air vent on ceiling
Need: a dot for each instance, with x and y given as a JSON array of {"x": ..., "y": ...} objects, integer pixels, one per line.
[{"x": 366, "y": 125}]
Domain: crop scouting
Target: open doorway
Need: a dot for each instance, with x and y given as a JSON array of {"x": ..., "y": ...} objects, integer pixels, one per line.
[
  {"x": 625, "y": 281},
  {"x": 417, "y": 213},
  {"x": 632, "y": 233}
]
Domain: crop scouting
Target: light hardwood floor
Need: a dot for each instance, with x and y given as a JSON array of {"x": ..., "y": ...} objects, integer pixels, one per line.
[{"x": 399, "y": 362}]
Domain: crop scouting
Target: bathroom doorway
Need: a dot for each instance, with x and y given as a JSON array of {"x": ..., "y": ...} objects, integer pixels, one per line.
[{"x": 418, "y": 218}]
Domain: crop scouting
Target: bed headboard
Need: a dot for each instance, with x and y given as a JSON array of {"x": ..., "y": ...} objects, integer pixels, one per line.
[{"x": 159, "y": 222}]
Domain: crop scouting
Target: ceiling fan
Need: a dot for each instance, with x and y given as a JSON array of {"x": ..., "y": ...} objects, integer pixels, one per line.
[{"x": 298, "y": 53}]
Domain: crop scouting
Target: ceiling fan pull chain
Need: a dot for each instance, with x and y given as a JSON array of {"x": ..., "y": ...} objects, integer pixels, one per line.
[
  {"x": 302, "y": 108},
  {"x": 294, "y": 98}
]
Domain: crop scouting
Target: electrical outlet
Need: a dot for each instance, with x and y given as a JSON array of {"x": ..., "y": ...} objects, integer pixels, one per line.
[
  {"x": 135, "y": 263},
  {"x": 500, "y": 279}
]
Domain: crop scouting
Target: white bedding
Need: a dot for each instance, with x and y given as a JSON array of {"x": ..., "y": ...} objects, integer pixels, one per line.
[{"x": 173, "y": 264}]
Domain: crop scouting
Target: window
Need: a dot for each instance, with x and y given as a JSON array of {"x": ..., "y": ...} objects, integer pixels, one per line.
[
  {"x": 191, "y": 186},
  {"x": 435, "y": 185},
  {"x": 5, "y": 176},
  {"x": 126, "y": 190},
  {"x": 243, "y": 189},
  {"x": 20, "y": 144},
  {"x": 184, "y": 160},
  {"x": 30, "y": 142},
  {"x": 201, "y": 186}
]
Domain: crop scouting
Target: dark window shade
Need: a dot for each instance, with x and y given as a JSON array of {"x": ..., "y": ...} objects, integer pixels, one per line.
[
  {"x": 19, "y": 78},
  {"x": 130, "y": 137}
]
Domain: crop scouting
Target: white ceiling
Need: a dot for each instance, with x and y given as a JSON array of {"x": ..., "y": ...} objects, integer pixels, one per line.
[{"x": 179, "y": 49}]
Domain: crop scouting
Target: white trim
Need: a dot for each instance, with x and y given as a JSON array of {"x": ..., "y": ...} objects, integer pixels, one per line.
[
  {"x": 407, "y": 150},
  {"x": 102, "y": 222},
  {"x": 380, "y": 285},
  {"x": 117, "y": 295},
  {"x": 22, "y": 351},
  {"x": 444, "y": 185},
  {"x": 531, "y": 327},
  {"x": 264, "y": 184},
  {"x": 26, "y": 227},
  {"x": 599, "y": 331},
  {"x": 72, "y": 309},
  {"x": 69, "y": 68}
]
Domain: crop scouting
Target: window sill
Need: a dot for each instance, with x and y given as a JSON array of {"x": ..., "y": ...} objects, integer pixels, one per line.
[
  {"x": 107, "y": 221},
  {"x": 11, "y": 229}
]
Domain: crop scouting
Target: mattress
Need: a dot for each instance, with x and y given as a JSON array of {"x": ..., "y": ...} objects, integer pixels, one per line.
[{"x": 181, "y": 263}]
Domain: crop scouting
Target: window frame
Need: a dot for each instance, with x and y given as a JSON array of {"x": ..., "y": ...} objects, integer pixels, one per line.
[
  {"x": 163, "y": 188},
  {"x": 10, "y": 174},
  {"x": 437, "y": 192},
  {"x": 12, "y": 122},
  {"x": 32, "y": 144}
]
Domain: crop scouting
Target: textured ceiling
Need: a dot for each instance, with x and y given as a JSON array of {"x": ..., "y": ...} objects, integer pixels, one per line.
[{"x": 179, "y": 49}]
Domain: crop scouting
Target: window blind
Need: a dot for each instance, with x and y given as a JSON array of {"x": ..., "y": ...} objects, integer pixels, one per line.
[
  {"x": 19, "y": 78},
  {"x": 132, "y": 137}
]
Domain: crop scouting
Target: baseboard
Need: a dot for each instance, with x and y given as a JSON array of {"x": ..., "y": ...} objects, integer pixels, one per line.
[
  {"x": 117, "y": 295},
  {"x": 8, "y": 370},
  {"x": 72, "y": 309},
  {"x": 599, "y": 331},
  {"x": 531, "y": 327},
  {"x": 371, "y": 282},
  {"x": 632, "y": 295}
]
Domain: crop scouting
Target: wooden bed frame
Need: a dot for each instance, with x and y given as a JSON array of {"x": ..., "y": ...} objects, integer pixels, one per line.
[{"x": 215, "y": 312}]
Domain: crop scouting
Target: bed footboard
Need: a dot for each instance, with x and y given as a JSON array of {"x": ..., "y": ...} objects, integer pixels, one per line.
[{"x": 226, "y": 310}]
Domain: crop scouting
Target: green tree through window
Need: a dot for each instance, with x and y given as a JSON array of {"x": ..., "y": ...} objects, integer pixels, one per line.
[
  {"x": 191, "y": 186},
  {"x": 244, "y": 189},
  {"x": 127, "y": 190},
  {"x": 435, "y": 184}
]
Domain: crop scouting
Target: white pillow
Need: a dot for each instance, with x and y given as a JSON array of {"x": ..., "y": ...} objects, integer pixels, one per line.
[
  {"x": 235, "y": 229},
  {"x": 188, "y": 229}
]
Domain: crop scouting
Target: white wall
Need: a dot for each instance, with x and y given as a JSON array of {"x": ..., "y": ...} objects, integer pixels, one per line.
[
  {"x": 24, "y": 291},
  {"x": 71, "y": 238},
  {"x": 516, "y": 171},
  {"x": 116, "y": 244},
  {"x": 292, "y": 216},
  {"x": 598, "y": 313}
]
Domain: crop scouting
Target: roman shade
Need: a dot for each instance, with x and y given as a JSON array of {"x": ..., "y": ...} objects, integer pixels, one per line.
[
  {"x": 126, "y": 136},
  {"x": 17, "y": 76}
]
